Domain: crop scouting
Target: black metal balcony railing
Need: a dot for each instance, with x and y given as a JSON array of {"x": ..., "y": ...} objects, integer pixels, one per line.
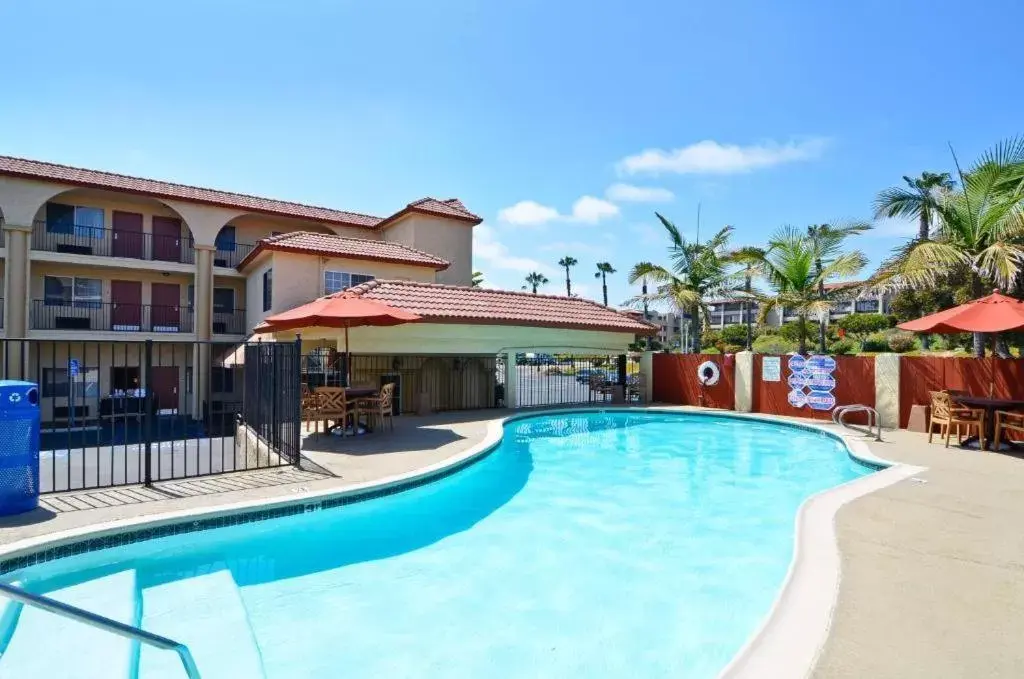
[
  {"x": 232, "y": 258},
  {"x": 97, "y": 242},
  {"x": 1, "y": 312},
  {"x": 229, "y": 322},
  {"x": 110, "y": 316}
]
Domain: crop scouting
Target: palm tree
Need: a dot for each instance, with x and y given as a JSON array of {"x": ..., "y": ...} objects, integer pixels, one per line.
[
  {"x": 604, "y": 269},
  {"x": 790, "y": 266},
  {"x": 749, "y": 258},
  {"x": 478, "y": 279},
  {"x": 534, "y": 280},
  {"x": 978, "y": 236},
  {"x": 698, "y": 273},
  {"x": 567, "y": 262},
  {"x": 920, "y": 200},
  {"x": 827, "y": 242}
]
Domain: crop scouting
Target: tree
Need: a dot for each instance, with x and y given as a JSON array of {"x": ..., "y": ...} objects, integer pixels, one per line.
[
  {"x": 748, "y": 258},
  {"x": 978, "y": 235},
  {"x": 698, "y": 273},
  {"x": 534, "y": 280},
  {"x": 790, "y": 266},
  {"x": 919, "y": 201},
  {"x": 604, "y": 269},
  {"x": 478, "y": 279},
  {"x": 827, "y": 242},
  {"x": 567, "y": 262}
]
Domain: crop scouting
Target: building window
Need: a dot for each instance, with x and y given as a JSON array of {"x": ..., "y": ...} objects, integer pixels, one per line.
[
  {"x": 223, "y": 300},
  {"x": 86, "y": 222},
  {"x": 84, "y": 293},
  {"x": 225, "y": 240},
  {"x": 336, "y": 281},
  {"x": 867, "y": 306},
  {"x": 124, "y": 379},
  {"x": 55, "y": 383},
  {"x": 222, "y": 380},
  {"x": 268, "y": 284}
]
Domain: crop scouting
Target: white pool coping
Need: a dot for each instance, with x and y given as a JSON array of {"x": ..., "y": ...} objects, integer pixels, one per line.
[{"x": 790, "y": 637}]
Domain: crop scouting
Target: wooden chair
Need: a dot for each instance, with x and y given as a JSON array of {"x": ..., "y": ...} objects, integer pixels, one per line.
[
  {"x": 947, "y": 415},
  {"x": 1008, "y": 422},
  {"x": 310, "y": 407},
  {"x": 599, "y": 385},
  {"x": 333, "y": 404},
  {"x": 381, "y": 406}
]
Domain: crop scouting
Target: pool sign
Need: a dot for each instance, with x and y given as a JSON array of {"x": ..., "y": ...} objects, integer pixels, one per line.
[
  {"x": 73, "y": 367},
  {"x": 811, "y": 382},
  {"x": 771, "y": 369}
]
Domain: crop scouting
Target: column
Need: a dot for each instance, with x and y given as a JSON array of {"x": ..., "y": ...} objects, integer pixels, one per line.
[
  {"x": 16, "y": 298},
  {"x": 647, "y": 375},
  {"x": 887, "y": 389},
  {"x": 511, "y": 380},
  {"x": 744, "y": 381},
  {"x": 203, "y": 320}
]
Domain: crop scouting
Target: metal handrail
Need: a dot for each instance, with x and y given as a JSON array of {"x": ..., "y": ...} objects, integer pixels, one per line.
[
  {"x": 103, "y": 623},
  {"x": 874, "y": 419}
]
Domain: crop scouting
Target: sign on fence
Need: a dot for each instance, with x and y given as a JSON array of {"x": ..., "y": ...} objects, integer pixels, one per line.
[
  {"x": 771, "y": 369},
  {"x": 811, "y": 382}
]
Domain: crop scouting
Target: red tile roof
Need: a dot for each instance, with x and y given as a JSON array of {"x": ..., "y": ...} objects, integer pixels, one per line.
[
  {"x": 76, "y": 176},
  {"x": 438, "y": 303},
  {"x": 330, "y": 245},
  {"x": 844, "y": 284}
]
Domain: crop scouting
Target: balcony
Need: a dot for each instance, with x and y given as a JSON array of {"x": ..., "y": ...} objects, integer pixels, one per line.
[
  {"x": 1, "y": 312},
  {"x": 229, "y": 322},
  {"x": 231, "y": 257},
  {"x": 110, "y": 317},
  {"x": 97, "y": 242}
]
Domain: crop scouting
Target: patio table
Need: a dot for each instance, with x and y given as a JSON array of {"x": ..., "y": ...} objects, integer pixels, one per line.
[
  {"x": 355, "y": 393},
  {"x": 990, "y": 406}
]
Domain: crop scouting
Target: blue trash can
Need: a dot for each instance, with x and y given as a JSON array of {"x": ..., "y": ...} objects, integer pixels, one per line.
[{"x": 19, "y": 446}]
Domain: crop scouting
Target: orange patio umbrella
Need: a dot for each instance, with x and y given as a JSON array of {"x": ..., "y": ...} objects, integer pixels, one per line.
[
  {"x": 338, "y": 311},
  {"x": 993, "y": 314}
]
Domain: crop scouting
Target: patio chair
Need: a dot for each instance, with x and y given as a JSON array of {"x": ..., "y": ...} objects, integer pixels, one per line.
[
  {"x": 636, "y": 389},
  {"x": 381, "y": 406},
  {"x": 1008, "y": 422},
  {"x": 333, "y": 404},
  {"x": 310, "y": 407},
  {"x": 947, "y": 415},
  {"x": 599, "y": 385}
]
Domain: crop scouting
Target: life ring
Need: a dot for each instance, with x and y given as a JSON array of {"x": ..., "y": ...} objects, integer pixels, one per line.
[{"x": 708, "y": 373}]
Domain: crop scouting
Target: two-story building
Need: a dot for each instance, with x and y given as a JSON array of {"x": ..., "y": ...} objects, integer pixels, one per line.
[{"x": 95, "y": 263}]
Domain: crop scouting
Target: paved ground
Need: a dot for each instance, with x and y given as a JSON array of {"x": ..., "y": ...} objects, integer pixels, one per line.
[{"x": 933, "y": 568}]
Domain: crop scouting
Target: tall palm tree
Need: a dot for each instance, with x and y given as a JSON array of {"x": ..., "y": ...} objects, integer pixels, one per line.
[
  {"x": 478, "y": 279},
  {"x": 920, "y": 200},
  {"x": 827, "y": 243},
  {"x": 749, "y": 259},
  {"x": 979, "y": 234},
  {"x": 698, "y": 272},
  {"x": 534, "y": 280},
  {"x": 604, "y": 269},
  {"x": 567, "y": 262},
  {"x": 790, "y": 266}
]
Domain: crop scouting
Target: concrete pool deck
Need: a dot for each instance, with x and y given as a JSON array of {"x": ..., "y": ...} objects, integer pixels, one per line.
[{"x": 932, "y": 568}]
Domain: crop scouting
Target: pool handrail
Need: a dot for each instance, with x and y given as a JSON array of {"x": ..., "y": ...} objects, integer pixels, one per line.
[
  {"x": 101, "y": 622},
  {"x": 874, "y": 419}
]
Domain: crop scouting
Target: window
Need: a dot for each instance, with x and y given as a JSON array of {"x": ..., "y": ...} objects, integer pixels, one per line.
[
  {"x": 191, "y": 296},
  {"x": 336, "y": 281},
  {"x": 223, "y": 300},
  {"x": 222, "y": 380},
  {"x": 124, "y": 379},
  {"x": 225, "y": 240},
  {"x": 55, "y": 383},
  {"x": 84, "y": 293},
  {"x": 268, "y": 284},
  {"x": 867, "y": 305},
  {"x": 86, "y": 222}
]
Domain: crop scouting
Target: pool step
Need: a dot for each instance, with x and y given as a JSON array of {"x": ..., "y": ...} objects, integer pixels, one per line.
[
  {"x": 205, "y": 612},
  {"x": 47, "y": 645}
]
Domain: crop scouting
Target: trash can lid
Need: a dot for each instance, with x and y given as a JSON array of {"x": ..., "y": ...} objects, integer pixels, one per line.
[{"x": 16, "y": 383}]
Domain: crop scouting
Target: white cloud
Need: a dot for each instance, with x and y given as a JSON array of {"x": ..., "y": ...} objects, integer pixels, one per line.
[
  {"x": 571, "y": 248},
  {"x": 627, "y": 193},
  {"x": 711, "y": 157},
  {"x": 528, "y": 213},
  {"x": 491, "y": 255},
  {"x": 590, "y": 210},
  {"x": 892, "y": 227}
]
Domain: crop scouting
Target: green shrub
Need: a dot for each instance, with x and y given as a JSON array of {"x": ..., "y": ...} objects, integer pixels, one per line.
[
  {"x": 710, "y": 350},
  {"x": 774, "y": 344},
  {"x": 902, "y": 342},
  {"x": 732, "y": 348},
  {"x": 737, "y": 334},
  {"x": 864, "y": 324},
  {"x": 875, "y": 342},
  {"x": 791, "y": 331},
  {"x": 710, "y": 338},
  {"x": 843, "y": 347}
]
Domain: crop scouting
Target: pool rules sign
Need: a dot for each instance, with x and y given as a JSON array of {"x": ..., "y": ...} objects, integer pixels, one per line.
[{"x": 811, "y": 382}]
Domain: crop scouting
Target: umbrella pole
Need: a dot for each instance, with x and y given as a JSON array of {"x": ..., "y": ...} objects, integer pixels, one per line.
[
  {"x": 992, "y": 367},
  {"x": 348, "y": 361}
]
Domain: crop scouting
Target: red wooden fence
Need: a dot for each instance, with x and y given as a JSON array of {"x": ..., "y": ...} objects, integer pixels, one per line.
[
  {"x": 675, "y": 380},
  {"x": 920, "y": 375},
  {"x": 855, "y": 383}
]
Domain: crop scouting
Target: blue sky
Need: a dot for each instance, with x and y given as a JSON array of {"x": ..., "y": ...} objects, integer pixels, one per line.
[{"x": 767, "y": 113}]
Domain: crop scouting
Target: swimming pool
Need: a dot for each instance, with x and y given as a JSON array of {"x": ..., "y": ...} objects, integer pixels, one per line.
[{"x": 585, "y": 545}]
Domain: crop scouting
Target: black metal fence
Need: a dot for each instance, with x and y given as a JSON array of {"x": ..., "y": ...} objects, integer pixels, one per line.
[
  {"x": 101, "y": 242},
  {"x": 120, "y": 413},
  {"x": 110, "y": 316},
  {"x": 562, "y": 379}
]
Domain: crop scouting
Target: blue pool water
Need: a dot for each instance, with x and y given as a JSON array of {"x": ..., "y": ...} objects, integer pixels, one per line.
[{"x": 585, "y": 545}]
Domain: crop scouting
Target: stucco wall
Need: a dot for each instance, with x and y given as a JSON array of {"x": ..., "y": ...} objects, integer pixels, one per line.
[
  {"x": 42, "y": 269},
  {"x": 447, "y": 238},
  {"x": 254, "y": 312},
  {"x": 251, "y": 228}
]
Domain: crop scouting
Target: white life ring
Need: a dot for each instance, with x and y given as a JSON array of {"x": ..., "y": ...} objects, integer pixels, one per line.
[{"x": 708, "y": 373}]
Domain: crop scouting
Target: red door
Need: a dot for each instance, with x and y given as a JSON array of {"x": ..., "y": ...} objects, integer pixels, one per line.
[
  {"x": 164, "y": 386},
  {"x": 166, "y": 239},
  {"x": 165, "y": 309},
  {"x": 127, "y": 234},
  {"x": 126, "y": 298}
]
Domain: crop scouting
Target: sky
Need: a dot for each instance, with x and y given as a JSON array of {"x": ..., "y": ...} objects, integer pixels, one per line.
[{"x": 564, "y": 124}]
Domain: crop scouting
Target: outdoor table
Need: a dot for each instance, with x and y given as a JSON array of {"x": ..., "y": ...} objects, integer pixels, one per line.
[
  {"x": 990, "y": 406},
  {"x": 355, "y": 393}
]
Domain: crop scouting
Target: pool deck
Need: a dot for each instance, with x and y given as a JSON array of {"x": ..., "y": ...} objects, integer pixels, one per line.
[{"x": 932, "y": 581}]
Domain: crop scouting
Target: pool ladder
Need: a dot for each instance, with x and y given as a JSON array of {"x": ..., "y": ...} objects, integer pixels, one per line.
[
  {"x": 103, "y": 623},
  {"x": 874, "y": 419}
]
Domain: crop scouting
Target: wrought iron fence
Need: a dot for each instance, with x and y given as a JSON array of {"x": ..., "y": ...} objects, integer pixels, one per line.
[
  {"x": 110, "y": 316},
  {"x": 546, "y": 379},
  {"x": 101, "y": 242},
  {"x": 121, "y": 413}
]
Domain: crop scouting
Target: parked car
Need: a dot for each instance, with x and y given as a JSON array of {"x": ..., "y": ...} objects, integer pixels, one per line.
[{"x": 583, "y": 375}]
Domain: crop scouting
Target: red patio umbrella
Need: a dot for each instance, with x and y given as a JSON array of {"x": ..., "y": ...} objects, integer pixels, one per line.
[
  {"x": 993, "y": 314},
  {"x": 338, "y": 311}
]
